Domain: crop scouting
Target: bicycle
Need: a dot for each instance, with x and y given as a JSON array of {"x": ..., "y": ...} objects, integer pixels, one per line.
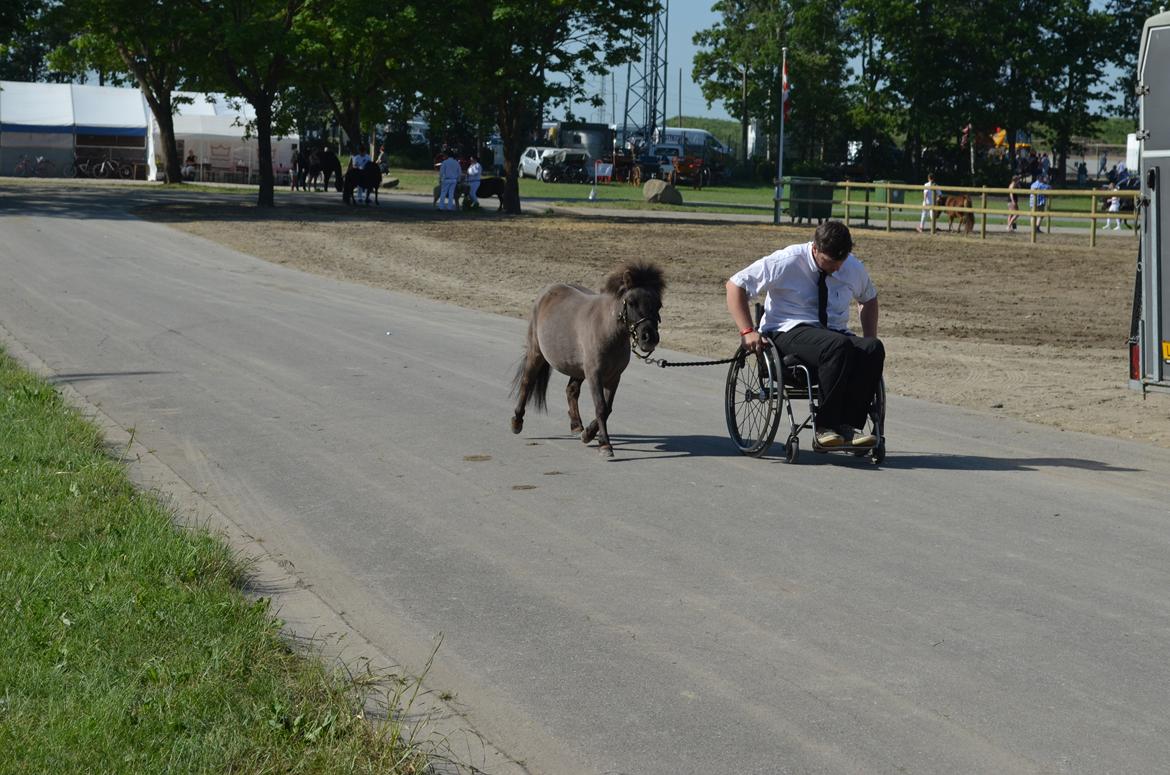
[
  {"x": 112, "y": 168},
  {"x": 41, "y": 167},
  {"x": 83, "y": 167}
]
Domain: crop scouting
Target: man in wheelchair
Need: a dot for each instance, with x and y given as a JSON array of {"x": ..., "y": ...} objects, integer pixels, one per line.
[{"x": 807, "y": 290}]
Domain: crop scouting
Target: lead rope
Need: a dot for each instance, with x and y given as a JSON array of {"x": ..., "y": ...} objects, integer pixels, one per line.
[{"x": 660, "y": 362}]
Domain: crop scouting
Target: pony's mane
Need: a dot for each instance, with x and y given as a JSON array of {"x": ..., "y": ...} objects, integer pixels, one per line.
[{"x": 634, "y": 274}]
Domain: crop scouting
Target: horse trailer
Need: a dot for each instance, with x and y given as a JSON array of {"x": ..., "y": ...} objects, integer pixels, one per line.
[{"x": 1149, "y": 343}]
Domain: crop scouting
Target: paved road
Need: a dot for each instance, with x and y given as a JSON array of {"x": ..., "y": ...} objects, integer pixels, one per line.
[{"x": 994, "y": 599}]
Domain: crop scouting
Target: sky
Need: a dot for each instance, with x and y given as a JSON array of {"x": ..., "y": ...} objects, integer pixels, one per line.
[{"x": 686, "y": 17}]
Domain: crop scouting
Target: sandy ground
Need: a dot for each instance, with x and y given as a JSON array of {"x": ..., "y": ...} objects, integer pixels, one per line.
[{"x": 1034, "y": 332}]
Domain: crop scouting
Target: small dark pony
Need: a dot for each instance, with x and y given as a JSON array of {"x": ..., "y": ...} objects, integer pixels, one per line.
[
  {"x": 588, "y": 335},
  {"x": 369, "y": 178},
  {"x": 324, "y": 162}
]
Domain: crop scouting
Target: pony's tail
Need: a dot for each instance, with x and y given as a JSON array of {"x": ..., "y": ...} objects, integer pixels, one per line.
[
  {"x": 537, "y": 384},
  {"x": 538, "y": 378}
]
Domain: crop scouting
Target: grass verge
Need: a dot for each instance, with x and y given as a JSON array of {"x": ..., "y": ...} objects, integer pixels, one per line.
[{"x": 127, "y": 644}]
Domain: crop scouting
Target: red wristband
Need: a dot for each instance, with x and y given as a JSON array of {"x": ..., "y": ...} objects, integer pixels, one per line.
[{"x": 747, "y": 331}]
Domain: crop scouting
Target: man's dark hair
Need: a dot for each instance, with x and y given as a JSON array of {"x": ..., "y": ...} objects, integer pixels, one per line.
[{"x": 833, "y": 239}]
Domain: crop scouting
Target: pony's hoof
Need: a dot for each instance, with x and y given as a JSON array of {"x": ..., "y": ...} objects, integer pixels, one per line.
[
  {"x": 576, "y": 430},
  {"x": 517, "y": 424},
  {"x": 588, "y": 435},
  {"x": 605, "y": 451}
]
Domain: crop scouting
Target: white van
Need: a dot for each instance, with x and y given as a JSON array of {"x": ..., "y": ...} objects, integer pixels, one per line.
[{"x": 696, "y": 142}]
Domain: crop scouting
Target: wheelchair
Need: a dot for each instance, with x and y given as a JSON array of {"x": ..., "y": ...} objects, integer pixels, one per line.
[{"x": 763, "y": 386}]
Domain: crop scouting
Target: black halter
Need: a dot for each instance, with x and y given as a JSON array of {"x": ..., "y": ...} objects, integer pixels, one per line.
[{"x": 632, "y": 328}]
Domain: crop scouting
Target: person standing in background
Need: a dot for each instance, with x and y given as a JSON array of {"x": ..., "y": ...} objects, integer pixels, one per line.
[
  {"x": 928, "y": 196},
  {"x": 449, "y": 172},
  {"x": 474, "y": 173}
]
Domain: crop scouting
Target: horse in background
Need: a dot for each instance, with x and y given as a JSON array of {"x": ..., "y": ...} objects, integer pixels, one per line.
[
  {"x": 966, "y": 219},
  {"x": 588, "y": 335},
  {"x": 368, "y": 178},
  {"x": 299, "y": 175},
  {"x": 323, "y": 162}
]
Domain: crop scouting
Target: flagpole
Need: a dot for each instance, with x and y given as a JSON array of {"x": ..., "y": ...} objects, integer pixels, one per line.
[{"x": 779, "y": 196}]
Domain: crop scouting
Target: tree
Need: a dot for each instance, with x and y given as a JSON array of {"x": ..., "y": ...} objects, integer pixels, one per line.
[
  {"x": 519, "y": 55},
  {"x": 1074, "y": 73},
  {"x": 126, "y": 36},
  {"x": 1018, "y": 81},
  {"x": 28, "y": 33},
  {"x": 1128, "y": 17},
  {"x": 355, "y": 55},
  {"x": 741, "y": 67},
  {"x": 248, "y": 52},
  {"x": 729, "y": 55}
]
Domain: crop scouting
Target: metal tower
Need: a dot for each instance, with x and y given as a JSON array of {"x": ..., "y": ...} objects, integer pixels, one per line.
[{"x": 646, "y": 82}]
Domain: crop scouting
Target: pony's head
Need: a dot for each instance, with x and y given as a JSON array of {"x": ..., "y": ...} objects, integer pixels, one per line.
[{"x": 639, "y": 285}]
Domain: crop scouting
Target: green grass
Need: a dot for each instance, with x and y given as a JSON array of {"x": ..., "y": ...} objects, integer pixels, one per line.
[
  {"x": 743, "y": 199},
  {"x": 126, "y": 644}
]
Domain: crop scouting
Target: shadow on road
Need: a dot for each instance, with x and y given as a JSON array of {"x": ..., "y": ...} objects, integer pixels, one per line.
[{"x": 943, "y": 462}]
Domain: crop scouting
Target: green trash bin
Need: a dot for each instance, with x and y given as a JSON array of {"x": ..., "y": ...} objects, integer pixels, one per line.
[{"x": 809, "y": 198}]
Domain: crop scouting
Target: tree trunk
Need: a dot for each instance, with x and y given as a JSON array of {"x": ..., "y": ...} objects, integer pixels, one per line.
[
  {"x": 159, "y": 101},
  {"x": 743, "y": 125},
  {"x": 512, "y": 131},
  {"x": 173, "y": 168},
  {"x": 267, "y": 196}
]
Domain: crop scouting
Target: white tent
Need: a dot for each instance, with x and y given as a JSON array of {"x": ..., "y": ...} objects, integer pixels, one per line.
[
  {"x": 213, "y": 127},
  {"x": 62, "y": 121}
]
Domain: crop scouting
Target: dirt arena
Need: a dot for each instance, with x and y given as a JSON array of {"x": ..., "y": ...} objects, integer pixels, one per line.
[{"x": 1034, "y": 332}]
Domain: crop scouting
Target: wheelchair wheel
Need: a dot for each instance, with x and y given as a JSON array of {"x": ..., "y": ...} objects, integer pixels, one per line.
[
  {"x": 791, "y": 449},
  {"x": 877, "y": 416},
  {"x": 752, "y": 400}
]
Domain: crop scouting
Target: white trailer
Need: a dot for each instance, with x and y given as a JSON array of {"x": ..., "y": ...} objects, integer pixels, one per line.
[{"x": 1149, "y": 354}]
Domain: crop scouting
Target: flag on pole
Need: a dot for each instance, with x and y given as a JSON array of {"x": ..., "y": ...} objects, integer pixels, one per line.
[{"x": 784, "y": 90}]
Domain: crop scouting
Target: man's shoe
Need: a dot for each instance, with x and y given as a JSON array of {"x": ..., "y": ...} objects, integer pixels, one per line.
[
  {"x": 863, "y": 439},
  {"x": 827, "y": 437}
]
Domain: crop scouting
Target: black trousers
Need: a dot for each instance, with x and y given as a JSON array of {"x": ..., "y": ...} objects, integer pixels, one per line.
[{"x": 849, "y": 370}]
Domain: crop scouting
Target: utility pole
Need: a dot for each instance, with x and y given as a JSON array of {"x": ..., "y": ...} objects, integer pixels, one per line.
[{"x": 779, "y": 196}]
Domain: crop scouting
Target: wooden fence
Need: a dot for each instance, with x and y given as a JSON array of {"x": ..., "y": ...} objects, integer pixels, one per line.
[{"x": 881, "y": 196}]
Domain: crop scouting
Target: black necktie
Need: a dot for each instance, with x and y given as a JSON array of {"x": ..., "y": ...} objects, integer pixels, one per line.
[{"x": 823, "y": 300}]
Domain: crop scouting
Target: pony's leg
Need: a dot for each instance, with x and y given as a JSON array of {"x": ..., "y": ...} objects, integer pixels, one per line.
[
  {"x": 572, "y": 393},
  {"x": 533, "y": 364},
  {"x": 603, "y": 403}
]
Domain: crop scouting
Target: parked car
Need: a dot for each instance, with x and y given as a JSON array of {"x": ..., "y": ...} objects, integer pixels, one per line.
[
  {"x": 530, "y": 161},
  {"x": 564, "y": 165}
]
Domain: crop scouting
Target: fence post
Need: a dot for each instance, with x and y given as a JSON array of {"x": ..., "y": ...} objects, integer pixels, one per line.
[
  {"x": 1047, "y": 219},
  {"x": 1093, "y": 220},
  {"x": 846, "y": 185},
  {"x": 983, "y": 221},
  {"x": 1033, "y": 220},
  {"x": 867, "y": 192},
  {"x": 889, "y": 212}
]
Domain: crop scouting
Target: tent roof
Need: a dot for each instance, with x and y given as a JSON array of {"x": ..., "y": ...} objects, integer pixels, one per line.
[
  {"x": 110, "y": 110},
  {"x": 35, "y": 107},
  {"x": 210, "y": 126},
  {"x": 67, "y": 108},
  {"x": 102, "y": 110},
  {"x": 215, "y": 105}
]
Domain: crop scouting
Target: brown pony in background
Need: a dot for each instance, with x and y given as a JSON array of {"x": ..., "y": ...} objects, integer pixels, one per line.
[
  {"x": 588, "y": 335},
  {"x": 966, "y": 219}
]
